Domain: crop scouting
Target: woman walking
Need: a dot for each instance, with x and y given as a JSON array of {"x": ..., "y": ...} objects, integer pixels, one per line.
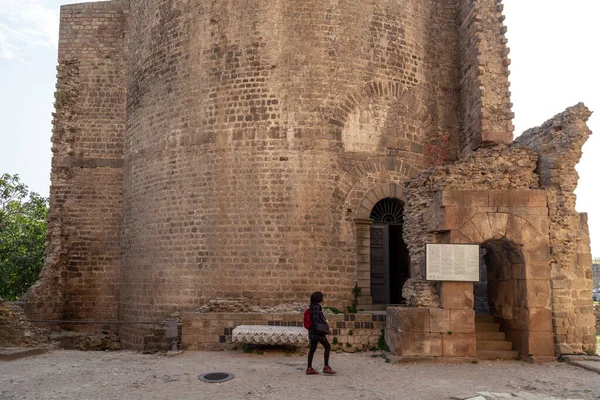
[{"x": 318, "y": 336}]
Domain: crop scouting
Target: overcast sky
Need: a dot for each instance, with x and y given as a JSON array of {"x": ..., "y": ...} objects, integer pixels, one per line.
[{"x": 555, "y": 64}]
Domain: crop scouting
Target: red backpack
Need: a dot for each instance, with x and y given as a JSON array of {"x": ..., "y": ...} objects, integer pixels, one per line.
[{"x": 307, "y": 320}]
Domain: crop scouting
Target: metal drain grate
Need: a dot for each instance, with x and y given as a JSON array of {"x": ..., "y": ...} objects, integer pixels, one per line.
[{"x": 216, "y": 377}]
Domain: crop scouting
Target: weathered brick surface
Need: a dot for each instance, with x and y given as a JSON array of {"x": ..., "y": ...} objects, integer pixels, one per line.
[
  {"x": 80, "y": 278},
  {"x": 246, "y": 158},
  {"x": 212, "y": 331},
  {"x": 559, "y": 142},
  {"x": 485, "y": 98}
]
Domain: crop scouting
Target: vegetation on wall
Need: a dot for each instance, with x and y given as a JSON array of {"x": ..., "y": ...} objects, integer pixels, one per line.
[{"x": 22, "y": 236}]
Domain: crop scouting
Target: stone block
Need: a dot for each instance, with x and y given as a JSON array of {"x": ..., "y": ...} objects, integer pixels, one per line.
[
  {"x": 584, "y": 259},
  {"x": 532, "y": 319},
  {"x": 518, "y": 198},
  {"x": 519, "y": 340},
  {"x": 482, "y": 223},
  {"x": 534, "y": 293},
  {"x": 462, "y": 321},
  {"x": 464, "y": 198},
  {"x": 541, "y": 223},
  {"x": 513, "y": 228},
  {"x": 498, "y": 222},
  {"x": 457, "y": 295},
  {"x": 457, "y": 237},
  {"x": 470, "y": 231},
  {"x": 531, "y": 271},
  {"x": 507, "y": 293},
  {"x": 537, "y": 250},
  {"x": 439, "y": 320},
  {"x": 450, "y": 217},
  {"x": 414, "y": 344},
  {"x": 524, "y": 211},
  {"x": 410, "y": 319},
  {"x": 459, "y": 345},
  {"x": 540, "y": 344}
]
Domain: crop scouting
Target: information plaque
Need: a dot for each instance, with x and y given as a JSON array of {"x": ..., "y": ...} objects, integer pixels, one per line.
[{"x": 452, "y": 262}]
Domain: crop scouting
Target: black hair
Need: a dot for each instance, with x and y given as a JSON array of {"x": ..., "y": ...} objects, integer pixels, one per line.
[{"x": 316, "y": 297}]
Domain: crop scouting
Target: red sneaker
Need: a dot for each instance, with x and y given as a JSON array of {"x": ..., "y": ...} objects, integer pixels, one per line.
[
  {"x": 328, "y": 371},
  {"x": 311, "y": 371}
]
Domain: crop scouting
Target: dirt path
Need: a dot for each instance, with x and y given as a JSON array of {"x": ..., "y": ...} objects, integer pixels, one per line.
[{"x": 275, "y": 375}]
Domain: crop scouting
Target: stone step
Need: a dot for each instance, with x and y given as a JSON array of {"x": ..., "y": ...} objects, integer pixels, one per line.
[
  {"x": 14, "y": 353},
  {"x": 490, "y": 336},
  {"x": 487, "y": 327},
  {"x": 484, "y": 318},
  {"x": 497, "y": 354},
  {"x": 494, "y": 345}
]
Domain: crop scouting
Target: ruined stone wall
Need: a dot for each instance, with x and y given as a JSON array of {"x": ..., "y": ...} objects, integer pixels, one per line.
[
  {"x": 495, "y": 168},
  {"x": 559, "y": 142},
  {"x": 81, "y": 273},
  {"x": 254, "y": 128},
  {"x": 485, "y": 98}
]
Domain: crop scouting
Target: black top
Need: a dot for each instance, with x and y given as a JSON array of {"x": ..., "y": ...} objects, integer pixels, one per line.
[{"x": 316, "y": 315}]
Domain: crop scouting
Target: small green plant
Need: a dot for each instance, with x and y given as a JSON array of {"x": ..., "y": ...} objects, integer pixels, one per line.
[
  {"x": 386, "y": 358},
  {"x": 348, "y": 345},
  {"x": 356, "y": 290},
  {"x": 351, "y": 332},
  {"x": 335, "y": 340},
  {"x": 382, "y": 345},
  {"x": 61, "y": 98},
  {"x": 333, "y": 310},
  {"x": 247, "y": 349},
  {"x": 562, "y": 359},
  {"x": 449, "y": 332},
  {"x": 356, "y": 348},
  {"x": 289, "y": 351},
  {"x": 373, "y": 348},
  {"x": 590, "y": 352},
  {"x": 375, "y": 355},
  {"x": 474, "y": 362},
  {"x": 260, "y": 353}
]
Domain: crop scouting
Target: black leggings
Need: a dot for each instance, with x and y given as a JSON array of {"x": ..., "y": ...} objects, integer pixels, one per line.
[{"x": 313, "y": 348}]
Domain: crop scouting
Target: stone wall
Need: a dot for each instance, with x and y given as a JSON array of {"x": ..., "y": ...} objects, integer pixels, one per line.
[
  {"x": 559, "y": 142},
  {"x": 496, "y": 184},
  {"x": 212, "y": 331},
  {"x": 496, "y": 168},
  {"x": 81, "y": 273},
  {"x": 448, "y": 332},
  {"x": 485, "y": 98},
  {"x": 254, "y": 132}
]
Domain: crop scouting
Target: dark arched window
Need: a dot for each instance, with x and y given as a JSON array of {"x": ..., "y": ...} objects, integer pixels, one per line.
[{"x": 388, "y": 211}]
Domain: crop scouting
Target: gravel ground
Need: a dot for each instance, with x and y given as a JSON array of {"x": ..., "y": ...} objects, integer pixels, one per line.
[{"x": 276, "y": 375}]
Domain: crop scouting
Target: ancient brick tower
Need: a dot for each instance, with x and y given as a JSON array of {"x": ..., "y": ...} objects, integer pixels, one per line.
[{"x": 237, "y": 148}]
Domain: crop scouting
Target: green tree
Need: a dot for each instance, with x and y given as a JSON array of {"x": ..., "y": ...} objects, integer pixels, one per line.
[{"x": 22, "y": 236}]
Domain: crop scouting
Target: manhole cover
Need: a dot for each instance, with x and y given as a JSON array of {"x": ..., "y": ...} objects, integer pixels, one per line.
[{"x": 216, "y": 377}]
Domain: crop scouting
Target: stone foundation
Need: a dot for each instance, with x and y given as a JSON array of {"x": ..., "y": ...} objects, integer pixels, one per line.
[
  {"x": 213, "y": 331},
  {"x": 431, "y": 332}
]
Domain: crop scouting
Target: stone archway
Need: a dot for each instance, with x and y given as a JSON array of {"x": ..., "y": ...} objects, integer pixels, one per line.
[
  {"x": 518, "y": 247},
  {"x": 363, "y": 224}
]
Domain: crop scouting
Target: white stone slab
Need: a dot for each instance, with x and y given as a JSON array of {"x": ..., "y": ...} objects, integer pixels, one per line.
[{"x": 273, "y": 335}]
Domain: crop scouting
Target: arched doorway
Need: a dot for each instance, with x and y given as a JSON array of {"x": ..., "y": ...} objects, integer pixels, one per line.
[{"x": 390, "y": 262}]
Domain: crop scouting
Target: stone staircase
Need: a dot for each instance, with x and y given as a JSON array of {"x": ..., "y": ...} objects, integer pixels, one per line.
[{"x": 491, "y": 343}]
